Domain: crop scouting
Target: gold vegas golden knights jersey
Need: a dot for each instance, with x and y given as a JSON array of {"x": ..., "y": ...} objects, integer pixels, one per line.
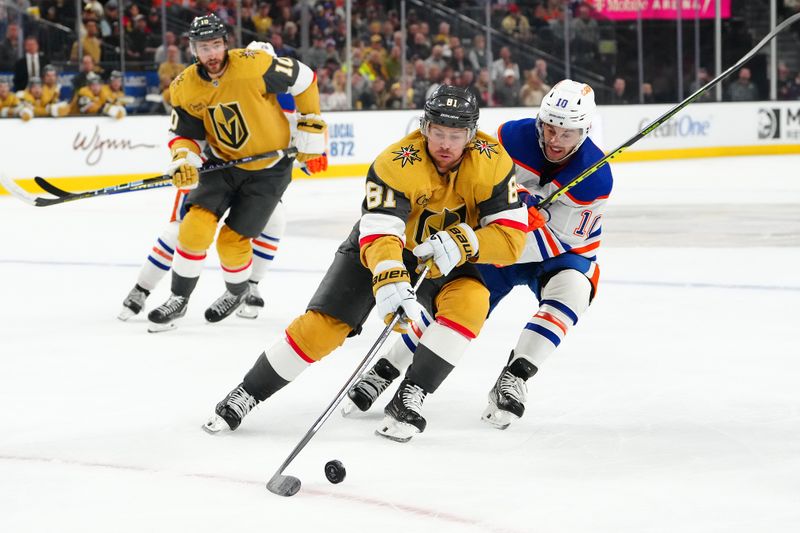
[
  {"x": 88, "y": 103},
  {"x": 8, "y": 105},
  {"x": 40, "y": 108},
  {"x": 407, "y": 201},
  {"x": 238, "y": 114}
]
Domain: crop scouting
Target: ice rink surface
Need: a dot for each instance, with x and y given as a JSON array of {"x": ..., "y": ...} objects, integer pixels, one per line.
[{"x": 672, "y": 406}]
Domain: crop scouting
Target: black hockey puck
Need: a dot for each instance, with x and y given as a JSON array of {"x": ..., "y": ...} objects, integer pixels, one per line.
[{"x": 334, "y": 471}]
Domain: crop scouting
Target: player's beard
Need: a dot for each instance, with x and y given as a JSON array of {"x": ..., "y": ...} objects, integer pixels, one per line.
[{"x": 215, "y": 66}]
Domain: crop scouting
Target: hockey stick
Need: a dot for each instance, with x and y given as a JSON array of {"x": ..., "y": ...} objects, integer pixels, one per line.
[
  {"x": 284, "y": 485},
  {"x": 668, "y": 115},
  {"x": 63, "y": 196}
]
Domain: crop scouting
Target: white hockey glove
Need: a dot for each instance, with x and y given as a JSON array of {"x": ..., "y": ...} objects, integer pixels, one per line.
[
  {"x": 258, "y": 45},
  {"x": 58, "y": 109},
  {"x": 448, "y": 249},
  {"x": 114, "y": 111},
  {"x": 310, "y": 137},
  {"x": 393, "y": 291},
  {"x": 183, "y": 168},
  {"x": 25, "y": 113}
]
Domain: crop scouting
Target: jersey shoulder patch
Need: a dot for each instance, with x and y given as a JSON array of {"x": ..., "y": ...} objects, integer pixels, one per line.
[
  {"x": 404, "y": 162},
  {"x": 517, "y": 136}
]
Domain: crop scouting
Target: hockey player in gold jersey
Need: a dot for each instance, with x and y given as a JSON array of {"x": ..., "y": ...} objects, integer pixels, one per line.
[
  {"x": 9, "y": 102},
  {"x": 96, "y": 99},
  {"x": 445, "y": 194},
  {"x": 225, "y": 107},
  {"x": 51, "y": 92}
]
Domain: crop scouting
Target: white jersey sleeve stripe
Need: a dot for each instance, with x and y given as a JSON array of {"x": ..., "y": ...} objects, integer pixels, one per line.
[
  {"x": 373, "y": 225},
  {"x": 305, "y": 77}
]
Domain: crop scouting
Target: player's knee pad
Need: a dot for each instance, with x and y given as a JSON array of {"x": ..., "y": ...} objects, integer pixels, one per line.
[
  {"x": 567, "y": 295},
  {"x": 463, "y": 305},
  {"x": 314, "y": 335},
  {"x": 196, "y": 232},
  {"x": 234, "y": 250}
]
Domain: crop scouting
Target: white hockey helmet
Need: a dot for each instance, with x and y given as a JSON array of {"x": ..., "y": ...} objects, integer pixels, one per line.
[{"x": 569, "y": 104}]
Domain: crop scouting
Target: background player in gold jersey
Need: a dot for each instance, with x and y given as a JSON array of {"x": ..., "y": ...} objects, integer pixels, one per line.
[
  {"x": 225, "y": 107},
  {"x": 445, "y": 193},
  {"x": 9, "y": 103}
]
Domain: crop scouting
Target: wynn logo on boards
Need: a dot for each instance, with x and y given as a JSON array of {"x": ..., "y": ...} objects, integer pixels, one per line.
[{"x": 95, "y": 145}]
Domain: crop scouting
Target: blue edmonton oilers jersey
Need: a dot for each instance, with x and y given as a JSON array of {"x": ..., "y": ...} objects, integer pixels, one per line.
[{"x": 574, "y": 220}]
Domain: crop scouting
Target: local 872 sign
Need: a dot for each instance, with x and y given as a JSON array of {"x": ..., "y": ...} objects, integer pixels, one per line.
[
  {"x": 779, "y": 123},
  {"x": 659, "y": 9}
]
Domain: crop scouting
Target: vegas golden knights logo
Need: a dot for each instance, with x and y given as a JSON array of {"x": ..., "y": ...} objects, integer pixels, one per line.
[
  {"x": 229, "y": 124},
  {"x": 432, "y": 221}
]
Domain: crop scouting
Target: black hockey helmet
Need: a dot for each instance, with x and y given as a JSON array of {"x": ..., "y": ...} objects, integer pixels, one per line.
[
  {"x": 207, "y": 27},
  {"x": 451, "y": 106}
]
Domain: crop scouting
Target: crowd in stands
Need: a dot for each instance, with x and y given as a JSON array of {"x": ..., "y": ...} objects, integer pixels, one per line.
[{"x": 435, "y": 54}]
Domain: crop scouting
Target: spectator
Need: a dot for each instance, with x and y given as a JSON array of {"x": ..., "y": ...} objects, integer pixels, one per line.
[
  {"x": 794, "y": 90},
  {"x": 419, "y": 85},
  {"x": 743, "y": 90},
  {"x": 481, "y": 88},
  {"x": 702, "y": 78},
  {"x": 436, "y": 58},
  {"x": 376, "y": 44},
  {"x": 291, "y": 35},
  {"x": 478, "y": 55},
  {"x": 160, "y": 54},
  {"x": 443, "y": 37},
  {"x": 647, "y": 93},
  {"x": 169, "y": 69},
  {"x": 393, "y": 64},
  {"x": 540, "y": 66},
  {"x": 785, "y": 81},
  {"x": 434, "y": 80},
  {"x": 516, "y": 24},
  {"x": 502, "y": 64},
  {"x": 458, "y": 61},
  {"x": 585, "y": 37},
  {"x": 395, "y": 98},
  {"x": 90, "y": 43},
  {"x": 533, "y": 91},
  {"x": 137, "y": 39},
  {"x": 337, "y": 100},
  {"x": 316, "y": 55},
  {"x": 262, "y": 21},
  {"x": 374, "y": 97},
  {"x": 111, "y": 15},
  {"x": 507, "y": 92},
  {"x": 373, "y": 68},
  {"x": 30, "y": 65},
  {"x": 281, "y": 49},
  {"x": 420, "y": 47},
  {"x": 9, "y": 48},
  {"x": 618, "y": 96}
]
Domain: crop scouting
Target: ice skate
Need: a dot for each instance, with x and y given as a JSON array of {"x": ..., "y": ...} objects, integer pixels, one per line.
[
  {"x": 370, "y": 386},
  {"x": 507, "y": 397},
  {"x": 224, "y": 306},
  {"x": 163, "y": 317},
  {"x": 403, "y": 418},
  {"x": 134, "y": 302},
  {"x": 229, "y": 412},
  {"x": 253, "y": 302}
]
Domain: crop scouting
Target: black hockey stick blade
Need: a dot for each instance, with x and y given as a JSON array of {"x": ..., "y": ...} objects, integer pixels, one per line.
[
  {"x": 283, "y": 485},
  {"x": 49, "y": 187}
]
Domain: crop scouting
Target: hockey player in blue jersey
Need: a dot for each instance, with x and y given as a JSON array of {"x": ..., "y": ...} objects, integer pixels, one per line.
[{"x": 558, "y": 264}]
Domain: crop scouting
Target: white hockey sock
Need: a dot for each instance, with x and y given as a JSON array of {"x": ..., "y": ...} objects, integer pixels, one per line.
[
  {"x": 159, "y": 261},
  {"x": 287, "y": 361},
  {"x": 564, "y": 299},
  {"x": 265, "y": 246},
  {"x": 187, "y": 264},
  {"x": 402, "y": 351},
  {"x": 238, "y": 274}
]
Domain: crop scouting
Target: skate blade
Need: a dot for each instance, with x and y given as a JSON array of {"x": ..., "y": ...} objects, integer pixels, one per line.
[
  {"x": 497, "y": 418},
  {"x": 248, "y": 311},
  {"x": 215, "y": 424},
  {"x": 126, "y": 313},
  {"x": 152, "y": 327},
  {"x": 396, "y": 431}
]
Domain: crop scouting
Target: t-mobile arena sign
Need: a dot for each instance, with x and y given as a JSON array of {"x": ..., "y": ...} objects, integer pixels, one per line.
[{"x": 659, "y": 9}]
